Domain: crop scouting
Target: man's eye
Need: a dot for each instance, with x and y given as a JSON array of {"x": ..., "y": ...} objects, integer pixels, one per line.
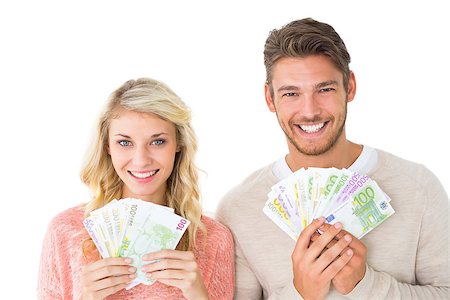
[
  {"x": 290, "y": 94},
  {"x": 327, "y": 90},
  {"x": 158, "y": 142},
  {"x": 124, "y": 143}
]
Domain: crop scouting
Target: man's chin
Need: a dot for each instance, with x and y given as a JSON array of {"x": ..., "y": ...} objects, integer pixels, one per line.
[{"x": 313, "y": 150}]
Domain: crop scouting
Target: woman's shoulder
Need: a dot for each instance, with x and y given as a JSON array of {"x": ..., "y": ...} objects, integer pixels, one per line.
[
  {"x": 217, "y": 233},
  {"x": 71, "y": 214},
  {"x": 66, "y": 221},
  {"x": 64, "y": 231},
  {"x": 213, "y": 226}
]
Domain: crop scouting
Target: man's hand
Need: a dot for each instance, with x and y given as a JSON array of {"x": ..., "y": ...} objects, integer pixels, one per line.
[
  {"x": 353, "y": 272},
  {"x": 314, "y": 265}
]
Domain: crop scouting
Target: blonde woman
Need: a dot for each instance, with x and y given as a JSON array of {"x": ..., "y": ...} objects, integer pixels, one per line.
[{"x": 144, "y": 149}]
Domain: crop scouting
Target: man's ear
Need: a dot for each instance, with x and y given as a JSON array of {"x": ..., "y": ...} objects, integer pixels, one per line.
[
  {"x": 269, "y": 100},
  {"x": 351, "y": 90}
]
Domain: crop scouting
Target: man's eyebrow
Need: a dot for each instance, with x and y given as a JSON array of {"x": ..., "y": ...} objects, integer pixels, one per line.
[
  {"x": 317, "y": 86},
  {"x": 326, "y": 83},
  {"x": 288, "y": 88}
]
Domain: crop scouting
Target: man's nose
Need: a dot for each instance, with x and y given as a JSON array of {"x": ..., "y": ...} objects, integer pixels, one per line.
[{"x": 310, "y": 107}]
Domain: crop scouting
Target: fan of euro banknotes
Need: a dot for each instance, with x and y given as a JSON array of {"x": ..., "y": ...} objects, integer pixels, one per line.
[
  {"x": 339, "y": 195},
  {"x": 131, "y": 228}
]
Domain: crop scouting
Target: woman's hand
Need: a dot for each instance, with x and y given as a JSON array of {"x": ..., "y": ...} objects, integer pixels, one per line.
[
  {"x": 106, "y": 276},
  {"x": 176, "y": 268}
]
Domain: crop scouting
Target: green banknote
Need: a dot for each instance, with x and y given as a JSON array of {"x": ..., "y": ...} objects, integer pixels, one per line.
[
  {"x": 341, "y": 195},
  {"x": 161, "y": 230},
  {"x": 367, "y": 208},
  {"x": 131, "y": 228}
]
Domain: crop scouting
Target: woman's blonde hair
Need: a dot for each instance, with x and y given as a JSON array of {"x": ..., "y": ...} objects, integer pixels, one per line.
[{"x": 182, "y": 194}]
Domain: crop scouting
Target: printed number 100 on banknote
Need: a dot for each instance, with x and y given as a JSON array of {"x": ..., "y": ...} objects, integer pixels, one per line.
[
  {"x": 162, "y": 230},
  {"x": 368, "y": 209},
  {"x": 131, "y": 228},
  {"x": 339, "y": 195}
]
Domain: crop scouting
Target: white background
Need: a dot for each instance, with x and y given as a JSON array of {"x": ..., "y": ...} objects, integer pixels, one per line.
[{"x": 60, "y": 60}]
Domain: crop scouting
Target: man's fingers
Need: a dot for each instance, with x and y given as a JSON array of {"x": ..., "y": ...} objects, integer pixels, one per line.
[
  {"x": 323, "y": 229},
  {"x": 330, "y": 255},
  {"x": 338, "y": 264},
  {"x": 324, "y": 239},
  {"x": 305, "y": 236}
]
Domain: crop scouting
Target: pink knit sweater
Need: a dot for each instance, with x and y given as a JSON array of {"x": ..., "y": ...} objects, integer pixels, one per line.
[{"x": 62, "y": 259}]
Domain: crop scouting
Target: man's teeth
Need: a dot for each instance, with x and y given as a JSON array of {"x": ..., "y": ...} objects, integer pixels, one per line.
[
  {"x": 312, "y": 128},
  {"x": 143, "y": 175}
]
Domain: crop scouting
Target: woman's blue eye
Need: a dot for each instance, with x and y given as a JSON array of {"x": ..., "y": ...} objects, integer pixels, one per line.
[
  {"x": 124, "y": 143},
  {"x": 158, "y": 142}
]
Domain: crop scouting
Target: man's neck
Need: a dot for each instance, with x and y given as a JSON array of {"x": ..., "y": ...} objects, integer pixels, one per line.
[{"x": 342, "y": 155}]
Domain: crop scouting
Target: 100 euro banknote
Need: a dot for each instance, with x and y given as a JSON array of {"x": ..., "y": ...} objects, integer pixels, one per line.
[
  {"x": 161, "y": 230},
  {"x": 338, "y": 194},
  {"x": 367, "y": 208},
  {"x": 131, "y": 228}
]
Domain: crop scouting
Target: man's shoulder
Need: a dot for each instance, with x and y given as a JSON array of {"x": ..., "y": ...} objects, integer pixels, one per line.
[
  {"x": 248, "y": 195},
  {"x": 260, "y": 178},
  {"x": 397, "y": 165},
  {"x": 394, "y": 169}
]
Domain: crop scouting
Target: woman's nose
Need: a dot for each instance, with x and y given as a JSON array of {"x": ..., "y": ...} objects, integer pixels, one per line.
[{"x": 142, "y": 156}]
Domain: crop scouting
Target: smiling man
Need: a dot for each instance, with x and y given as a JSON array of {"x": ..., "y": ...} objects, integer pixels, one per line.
[{"x": 309, "y": 84}]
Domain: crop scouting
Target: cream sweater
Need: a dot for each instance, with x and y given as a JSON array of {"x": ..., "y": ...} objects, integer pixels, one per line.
[{"x": 408, "y": 255}]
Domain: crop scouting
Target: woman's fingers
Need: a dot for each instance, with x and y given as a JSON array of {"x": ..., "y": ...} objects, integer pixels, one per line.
[
  {"x": 101, "y": 294},
  {"x": 178, "y": 274},
  {"x": 164, "y": 264},
  {"x": 106, "y": 276},
  {"x": 108, "y": 267},
  {"x": 112, "y": 281},
  {"x": 117, "y": 261},
  {"x": 176, "y": 268},
  {"x": 167, "y": 253}
]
